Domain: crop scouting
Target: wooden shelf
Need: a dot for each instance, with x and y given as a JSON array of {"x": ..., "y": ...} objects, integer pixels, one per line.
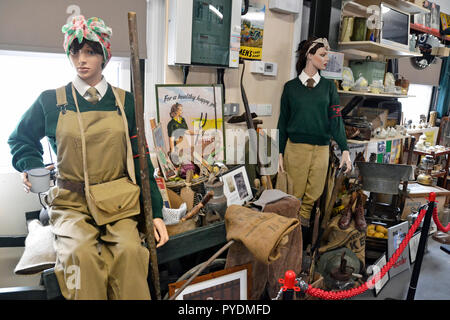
[
  {"x": 370, "y": 94},
  {"x": 367, "y": 47},
  {"x": 375, "y": 140},
  {"x": 352, "y": 8},
  {"x": 406, "y": 6},
  {"x": 358, "y": 9}
]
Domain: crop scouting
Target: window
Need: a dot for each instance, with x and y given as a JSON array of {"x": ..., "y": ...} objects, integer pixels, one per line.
[
  {"x": 419, "y": 104},
  {"x": 25, "y": 75}
]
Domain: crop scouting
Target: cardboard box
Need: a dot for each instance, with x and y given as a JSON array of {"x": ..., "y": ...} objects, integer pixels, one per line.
[
  {"x": 440, "y": 51},
  {"x": 418, "y": 2},
  {"x": 417, "y": 196}
]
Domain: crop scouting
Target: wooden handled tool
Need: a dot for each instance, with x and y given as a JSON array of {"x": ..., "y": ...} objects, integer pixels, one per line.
[
  {"x": 197, "y": 208},
  {"x": 143, "y": 166},
  {"x": 186, "y": 193}
]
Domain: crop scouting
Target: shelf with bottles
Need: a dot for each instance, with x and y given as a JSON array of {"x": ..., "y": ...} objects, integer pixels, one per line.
[{"x": 361, "y": 48}]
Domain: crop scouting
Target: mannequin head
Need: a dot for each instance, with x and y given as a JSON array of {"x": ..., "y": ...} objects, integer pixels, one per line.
[{"x": 315, "y": 59}]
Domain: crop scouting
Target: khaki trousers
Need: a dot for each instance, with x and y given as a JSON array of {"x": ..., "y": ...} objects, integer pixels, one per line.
[
  {"x": 98, "y": 263},
  {"x": 307, "y": 165}
]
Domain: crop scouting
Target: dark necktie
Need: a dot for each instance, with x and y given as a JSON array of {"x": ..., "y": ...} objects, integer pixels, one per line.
[{"x": 310, "y": 83}]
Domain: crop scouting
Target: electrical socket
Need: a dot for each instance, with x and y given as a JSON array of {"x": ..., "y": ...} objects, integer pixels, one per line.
[{"x": 231, "y": 109}]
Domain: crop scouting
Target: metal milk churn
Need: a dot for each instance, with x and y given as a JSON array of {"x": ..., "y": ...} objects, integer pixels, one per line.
[{"x": 218, "y": 204}]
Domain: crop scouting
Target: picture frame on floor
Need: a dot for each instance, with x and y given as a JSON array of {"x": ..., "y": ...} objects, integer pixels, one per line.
[
  {"x": 413, "y": 245},
  {"x": 377, "y": 266},
  {"x": 228, "y": 284}
]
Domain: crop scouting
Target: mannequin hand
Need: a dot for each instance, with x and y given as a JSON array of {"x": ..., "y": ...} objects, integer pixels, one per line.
[
  {"x": 280, "y": 163},
  {"x": 26, "y": 183},
  {"x": 161, "y": 235},
  {"x": 346, "y": 160}
]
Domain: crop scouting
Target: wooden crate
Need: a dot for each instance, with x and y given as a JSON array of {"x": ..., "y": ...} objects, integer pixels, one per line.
[{"x": 417, "y": 196}]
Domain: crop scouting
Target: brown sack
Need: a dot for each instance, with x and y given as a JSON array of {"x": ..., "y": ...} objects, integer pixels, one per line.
[
  {"x": 265, "y": 275},
  {"x": 291, "y": 254},
  {"x": 262, "y": 233},
  {"x": 351, "y": 238}
]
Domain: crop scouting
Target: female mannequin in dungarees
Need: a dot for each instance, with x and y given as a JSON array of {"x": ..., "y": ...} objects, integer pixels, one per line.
[
  {"x": 94, "y": 260},
  {"x": 309, "y": 117}
]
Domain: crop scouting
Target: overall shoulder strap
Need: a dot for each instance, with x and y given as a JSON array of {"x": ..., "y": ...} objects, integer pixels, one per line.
[
  {"x": 61, "y": 98},
  {"x": 121, "y": 94},
  {"x": 120, "y": 97}
]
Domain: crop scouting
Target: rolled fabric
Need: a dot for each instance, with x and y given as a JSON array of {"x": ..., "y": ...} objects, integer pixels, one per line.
[{"x": 262, "y": 233}]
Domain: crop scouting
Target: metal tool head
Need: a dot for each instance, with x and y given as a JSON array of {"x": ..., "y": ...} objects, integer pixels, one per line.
[{"x": 383, "y": 177}]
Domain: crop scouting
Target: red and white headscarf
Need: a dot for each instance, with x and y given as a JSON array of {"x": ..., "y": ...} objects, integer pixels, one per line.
[{"x": 93, "y": 29}]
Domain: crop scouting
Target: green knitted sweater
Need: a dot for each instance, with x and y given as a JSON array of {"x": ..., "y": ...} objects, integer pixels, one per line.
[
  {"x": 41, "y": 120},
  {"x": 311, "y": 116}
]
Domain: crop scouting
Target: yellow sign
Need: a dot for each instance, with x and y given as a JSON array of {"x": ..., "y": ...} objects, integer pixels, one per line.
[{"x": 250, "y": 53}]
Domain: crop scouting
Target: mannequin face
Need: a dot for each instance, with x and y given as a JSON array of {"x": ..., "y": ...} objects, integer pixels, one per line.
[
  {"x": 320, "y": 59},
  {"x": 88, "y": 64}
]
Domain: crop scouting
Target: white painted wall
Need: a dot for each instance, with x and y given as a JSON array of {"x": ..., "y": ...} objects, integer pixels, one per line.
[{"x": 445, "y": 5}]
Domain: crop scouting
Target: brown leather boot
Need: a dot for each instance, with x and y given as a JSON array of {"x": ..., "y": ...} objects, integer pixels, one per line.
[
  {"x": 346, "y": 218},
  {"x": 360, "y": 220}
]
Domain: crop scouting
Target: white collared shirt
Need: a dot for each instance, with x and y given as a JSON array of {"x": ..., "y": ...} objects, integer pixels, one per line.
[
  {"x": 81, "y": 86},
  {"x": 304, "y": 77}
]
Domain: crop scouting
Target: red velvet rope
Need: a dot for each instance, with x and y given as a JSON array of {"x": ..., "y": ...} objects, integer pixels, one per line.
[
  {"x": 438, "y": 223},
  {"x": 338, "y": 295}
]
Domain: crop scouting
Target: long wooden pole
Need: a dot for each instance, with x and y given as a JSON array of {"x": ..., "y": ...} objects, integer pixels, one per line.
[{"x": 145, "y": 182}]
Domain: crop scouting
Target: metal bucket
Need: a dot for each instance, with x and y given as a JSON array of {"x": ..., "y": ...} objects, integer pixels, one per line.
[{"x": 383, "y": 177}]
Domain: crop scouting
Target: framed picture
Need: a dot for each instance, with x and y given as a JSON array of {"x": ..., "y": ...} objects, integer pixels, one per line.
[
  {"x": 334, "y": 67},
  {"x": 378, "y": 265},
  {"x": 236, "y": 186},
  {"x": 167, "y": 167},
  {"x": 191, "y": 118},
  {"x": 413, "y": 245},
  {"x": 396, "y": 234},
  {"x": 228, "y": 284}
]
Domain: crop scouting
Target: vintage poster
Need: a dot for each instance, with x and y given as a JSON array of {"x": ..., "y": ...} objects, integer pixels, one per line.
[
  {"x": 191, "y": 119},
  {"x": 252, "y": 32}
]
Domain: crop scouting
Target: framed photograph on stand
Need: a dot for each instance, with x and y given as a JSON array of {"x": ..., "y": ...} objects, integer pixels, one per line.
[
  {"x": 236, "y": 186},
  {"x": 378, "y": 265},
  {"x": 228, "y": 284},
  {"x": 396, "y": 234}
]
